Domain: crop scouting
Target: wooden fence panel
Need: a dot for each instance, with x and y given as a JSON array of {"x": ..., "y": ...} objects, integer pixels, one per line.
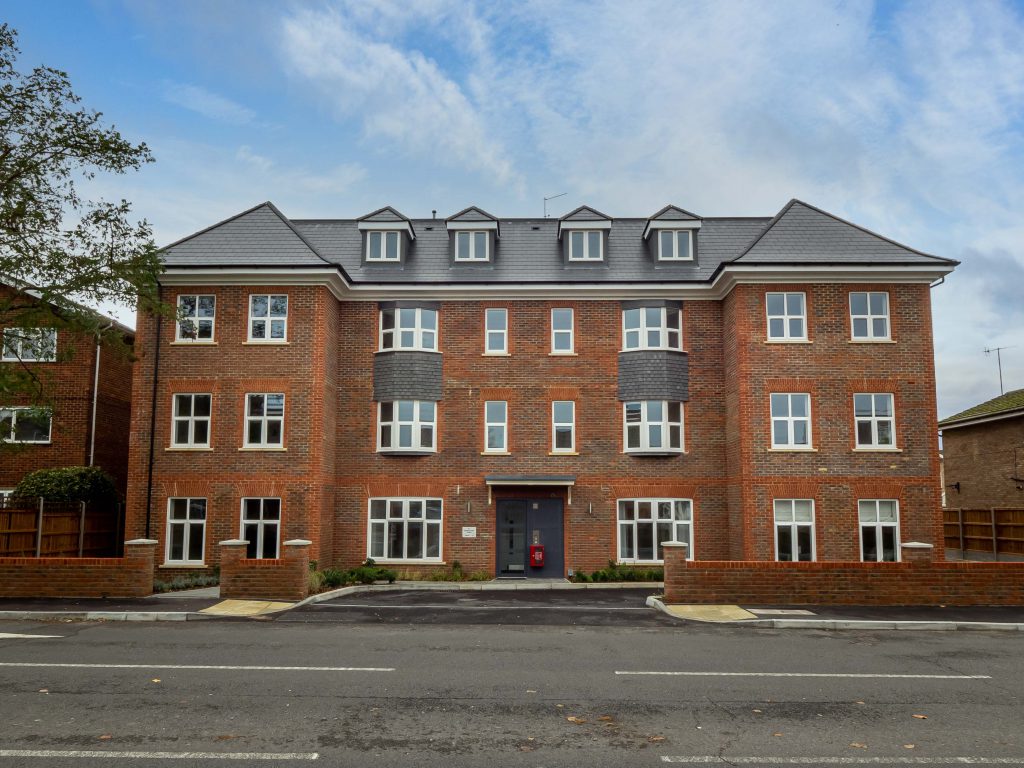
[
  {"x": 995, "y": 531},
  {"x": 63, "y": 534}
]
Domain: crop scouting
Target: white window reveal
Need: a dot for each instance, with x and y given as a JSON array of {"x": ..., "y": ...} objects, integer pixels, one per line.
[
  {"x": 261, "y": 527},
  {"x": 563, "y": 426},
  {"x": 869, "y": 315},
  {"x": 675, "y": 245},
  {"x": 791, "y": 420},
  {"x": 264, "y": 420},
  {"x": 645, "y": 524},
  {"x": 496, "y": 331},
  {"x": 794, "y": 530},
  {"x": 562, "y": 331},
  {"x": 384, "y": 246},
  {"x": 873, "y": 415},
  {"x": 471, "y": 246},
  {"x": 186, "y": 530},
  {"x": 268, "y": 317},
  {"x": 25, "y": 425},
  {"x": 879, "y": 530},
  {"x": 652, "y": 328},
  {"x": 191, "y": 421},
  {"x": 496, "y": 426},
  {"x": 405, "y": 529},
  {"x": 408, "y": 328},
  {"x": 30, "y": 345},
  {"x": 197, "y": 314},
  {"x": 407, "y": 425},
  {"x": 586, "y": 245},
  {"x": 653, "y": 426},
  {"x": 787, "y": 316}
]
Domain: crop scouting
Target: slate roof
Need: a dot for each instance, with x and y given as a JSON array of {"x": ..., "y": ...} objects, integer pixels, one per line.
[
  {"x": 808, "y": 235},
  {"x": 529, "y": 250},
  {"x": 1004, "y": 404}
]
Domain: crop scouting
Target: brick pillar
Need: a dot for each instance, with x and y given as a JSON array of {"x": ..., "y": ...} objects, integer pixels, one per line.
[
  {"x": 140, "y": 557},
  {"x": 675, "y": 553},
  {"x": 232, "y": 551},
  {"x": 917, "y": 553},
  {"x": 296, "y": 556}
]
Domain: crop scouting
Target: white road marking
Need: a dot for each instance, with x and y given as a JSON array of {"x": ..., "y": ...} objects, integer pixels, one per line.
[
  {"x": 193, "y": 666},
  {"x": 12, "y": 635},
  {"x": 704, "y": 759},
  {"x": 484, "y": 607},
  {"x": 93, "y": 754},
  {"x": 810, "y": 674}
]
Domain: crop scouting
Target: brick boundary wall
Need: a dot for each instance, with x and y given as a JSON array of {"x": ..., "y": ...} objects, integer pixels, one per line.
[
  {"x": 284, "y": 578},
  {"x": 128, "y": 576},
  {"x": 915, "y": 581}
]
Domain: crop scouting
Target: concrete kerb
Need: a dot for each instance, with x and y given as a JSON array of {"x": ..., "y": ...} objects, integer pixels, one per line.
[{"x": 839, "y": 624}]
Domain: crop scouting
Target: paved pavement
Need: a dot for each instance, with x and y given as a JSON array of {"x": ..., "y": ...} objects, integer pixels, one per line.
[{"x": 430, "y": 695}]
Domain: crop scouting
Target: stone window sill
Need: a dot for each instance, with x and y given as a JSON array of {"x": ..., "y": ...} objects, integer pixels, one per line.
[
  {"x": 386, "y": 452},
  {"x": 496, "y": 354},
  {"x": 872, "y": 449},
  {"x": 792, "y": 450},
  {"x": 185, "y": 566},
  {"x": 193, "y": 343},
  {"x": 872, "y": 341},
  {"x": 263, "y": 450},
  {"x": 563, "y": 453},
  {"x": 642, "y": 454},
  {"x": 266, "y": 343},
  {"x": 188, "y": 449},
  {"x": 495, "y": 453},
  {"x": 788, "y": 341},
  {"x": 563, "y": 354}
]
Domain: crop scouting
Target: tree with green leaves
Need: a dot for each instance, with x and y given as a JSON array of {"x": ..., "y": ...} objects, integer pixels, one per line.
[{"x": 62, "y": 250}]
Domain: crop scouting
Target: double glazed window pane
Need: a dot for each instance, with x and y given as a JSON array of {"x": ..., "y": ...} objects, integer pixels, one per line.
[
  {"x": 791, "y": 422},
  {"x": 787, "y": 316},
  {"x": 196, "y": 315},
  {"x": 186, "y": 526},
  {"x": 408, "y": 328},
  {"x": 561, "y": 330},
  {"x": 407, "y": 425},
  {"x": 645, "y": 524},
  {"x": 496, "y": 330},
  {"x": 192, "y": 419},
  {"x": 564, "y": 423},
  {"x": 495, "y": 419},
  {"x": 869, "y": 314},
  {"x": 405, "y": 529},
  {"x": 471, "y": 246},
  {"x": 652, "y": 328},
  {"x": 383, "y": 246},
  {"x": 261, "y": 526},
  {"x": 654, "y": 425},
  {"x": 268, "y": 317}
]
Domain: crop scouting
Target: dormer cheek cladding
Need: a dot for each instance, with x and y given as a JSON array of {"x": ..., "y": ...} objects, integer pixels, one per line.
[{"x": 653, "y": 374}]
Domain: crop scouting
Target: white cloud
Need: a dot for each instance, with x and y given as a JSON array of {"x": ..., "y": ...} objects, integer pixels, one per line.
[
  {"x": 207, "y": 103},
  {"x": 401, "y": 97}
]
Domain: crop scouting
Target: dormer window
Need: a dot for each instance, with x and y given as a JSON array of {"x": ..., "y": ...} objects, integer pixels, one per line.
[
  {"x": 385, "y": 245},
  {"x": 586, "y": 245},
  {"x": 472, "y": 246},
  {"x": 675, "y": 245}
]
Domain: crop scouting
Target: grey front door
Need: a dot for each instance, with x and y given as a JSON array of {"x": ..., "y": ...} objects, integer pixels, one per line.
[{"x": 522, "y": 522}]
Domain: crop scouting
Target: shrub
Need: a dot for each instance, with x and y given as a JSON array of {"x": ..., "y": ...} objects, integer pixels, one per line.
[
  {"x": 189, "y": 581},
  {"x": 88, "y": 484},
  {"x": 333, "y": 577}
]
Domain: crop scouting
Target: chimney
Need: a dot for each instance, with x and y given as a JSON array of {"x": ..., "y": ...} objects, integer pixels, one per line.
[{"x": 434, "y": 213}]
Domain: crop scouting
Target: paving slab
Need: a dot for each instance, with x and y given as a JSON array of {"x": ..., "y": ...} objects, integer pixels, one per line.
[{"x": 246, "y": 608}]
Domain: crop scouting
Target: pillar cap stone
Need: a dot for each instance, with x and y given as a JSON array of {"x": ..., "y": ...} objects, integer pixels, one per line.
[
  {"x": 675, "y": 544},
  {"x": 917, "y": 545},
  {"x": 233, "y": 543},
  {"x": 141, "y": 541},
  {"x": 298, "y": 543}
]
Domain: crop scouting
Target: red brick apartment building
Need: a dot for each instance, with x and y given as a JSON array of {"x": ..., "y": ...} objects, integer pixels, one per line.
[
  {"x": 89, "y": 388},
  {"x": 532, "y": 397}
]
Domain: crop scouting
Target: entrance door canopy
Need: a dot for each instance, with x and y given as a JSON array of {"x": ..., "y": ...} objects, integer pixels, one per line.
[{"x": 561, "y": 481}]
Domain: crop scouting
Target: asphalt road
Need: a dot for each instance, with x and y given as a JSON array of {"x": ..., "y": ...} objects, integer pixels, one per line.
[{"x": 388, "y": 693}]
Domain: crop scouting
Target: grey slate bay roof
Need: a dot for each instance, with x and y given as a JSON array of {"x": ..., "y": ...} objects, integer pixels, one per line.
[{"x": 529, "y": 250}]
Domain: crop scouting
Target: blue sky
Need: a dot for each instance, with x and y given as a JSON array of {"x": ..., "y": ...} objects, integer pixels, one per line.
[{"x": 907, "y": 118}]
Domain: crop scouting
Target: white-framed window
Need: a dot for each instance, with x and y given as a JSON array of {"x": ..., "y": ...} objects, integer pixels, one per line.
[
  {"x": 25, "y": 425},
  {"x": 407, "y": 425},
  {"x": 405, "y": 529},
  {"x": 869, "y": 315},
  {"x": 471, "y": 245},
  {"x": 384, "y": 245},
  {"x": 197, "y": 314},
  {"x": 563, "y": 426},
  {"x": 268, "y": 317},
  {"x": 190, "y": 426},
  {"x": 791, "y": 420},
  {"x": 186, "y": 530},
  {"x": 644, "y": 524},
  {"x": 496, "y": 426},
  {"x": 586, "y": 245},
  {"x": 675, "y": 245},
  {"x": 652, "y": 426},
  {"x": 496, "y": 331},
  {"x": 562, "y": 331},
  {"x": 787, "y": 316},
  {"x": 879, "y": 530},
  {"x": 6, "y": 494},
  {"x": 408, "y": 328},
  {"x": 261, "y": 527},
  {"x": 264, "y": 420},
  {"x": 652, "y": 328},
  {"x": 874, "y": 420},
  {"x": 794, "y": 530},
  {"x": 29, "y": 345}
]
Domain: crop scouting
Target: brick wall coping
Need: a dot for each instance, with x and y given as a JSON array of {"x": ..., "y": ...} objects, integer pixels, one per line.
[
  {"x": 141, "y": 541},
  {"x": 677, "y": 544},
  {"x": 233, "y": 543},
  {"x": 826, "y": 565}
]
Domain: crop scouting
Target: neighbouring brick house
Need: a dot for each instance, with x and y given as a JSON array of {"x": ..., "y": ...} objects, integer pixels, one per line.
[
  {"x": 984, "y": 453},
  {"x": 431, "y": 390},
  {"x": 89, "y": 389}
]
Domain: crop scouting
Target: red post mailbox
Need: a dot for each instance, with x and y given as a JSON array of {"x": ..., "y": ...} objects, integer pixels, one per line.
[{"x": 536, "y": 555}]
